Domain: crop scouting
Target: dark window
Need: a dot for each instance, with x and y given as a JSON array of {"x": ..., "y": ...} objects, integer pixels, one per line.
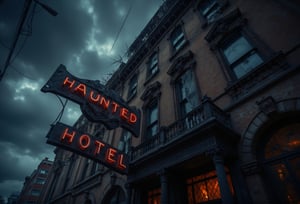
[
  {"x": 124, "y": 143},
  {"x": 35, "y": 192},
  {"x": 153, "y": 65},
  {"x": 132, "y": 87},
  {"x": 152, "y": 119},
  {"x": 177, "y": 38},
  {"x": 40, "y": 181},
  {"x": 154, "y": 196},
  {"x": 209, "y": 9},
  {"x": 205, "y": 188},
  {"x": 187, "y": 93},
  {"x": 240, "y": 55}
]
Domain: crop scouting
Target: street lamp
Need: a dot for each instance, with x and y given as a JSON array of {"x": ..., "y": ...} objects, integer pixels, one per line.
[{"x": 27, "y": 5}]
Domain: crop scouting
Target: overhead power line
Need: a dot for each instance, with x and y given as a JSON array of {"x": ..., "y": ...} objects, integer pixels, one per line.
[{"x": 122, "y": 25}]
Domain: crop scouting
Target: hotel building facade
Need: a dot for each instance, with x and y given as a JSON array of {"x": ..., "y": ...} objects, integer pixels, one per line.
[{"x": 218, "y": 86}]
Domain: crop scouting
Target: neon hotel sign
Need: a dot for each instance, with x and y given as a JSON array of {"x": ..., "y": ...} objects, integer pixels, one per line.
[{"x": 98, "y": 105}]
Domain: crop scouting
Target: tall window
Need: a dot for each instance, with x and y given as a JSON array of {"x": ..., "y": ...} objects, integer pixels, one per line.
[
  {"x": 152, "y": 119},
  {"x": 209, "y": 9},
  {"x": 124, "y": 143},
  {"x": 205, "y": 188},
  {"x": 240, "y": 55},
  {"x": 177, "y": 38},
  {"x": 187, "y": 93},
  {"x": 153, "y": 65},
  {"x": 132, "y": 90}
]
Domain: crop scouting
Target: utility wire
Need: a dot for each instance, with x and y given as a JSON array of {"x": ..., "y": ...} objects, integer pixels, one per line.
[
  {"x": 122, "y": 25},
  {"x": 21, "y": 73},
  {"x": 60, "y": 114}
]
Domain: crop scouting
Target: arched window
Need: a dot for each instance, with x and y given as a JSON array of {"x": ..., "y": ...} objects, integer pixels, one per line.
[
  {"x": 115, "y": 196},
  {"x": 280, "y": 155}
]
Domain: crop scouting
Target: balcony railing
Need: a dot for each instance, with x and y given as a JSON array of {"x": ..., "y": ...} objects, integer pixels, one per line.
[{"x": 195, "y": 119}]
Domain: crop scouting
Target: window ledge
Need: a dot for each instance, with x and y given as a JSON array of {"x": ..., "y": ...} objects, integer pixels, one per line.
[{"x": 253, "y": 80}]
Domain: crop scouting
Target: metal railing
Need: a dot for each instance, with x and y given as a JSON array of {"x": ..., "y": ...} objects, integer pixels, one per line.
[{"x": 206, "y": 111}]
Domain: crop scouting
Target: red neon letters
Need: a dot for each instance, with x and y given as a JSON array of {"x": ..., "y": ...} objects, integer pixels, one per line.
[
  {"x": 100, "y": 150},
  {"x": 99, "y": 100}
]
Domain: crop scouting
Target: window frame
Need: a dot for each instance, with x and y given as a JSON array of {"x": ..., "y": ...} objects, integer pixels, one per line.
[
  {"x": 230, "y": 39},
  {"x": 219, "y": 12},
  {"x": 150, "y": 96},
  {"x": 235, "y": 24},
  {"x": 126, "y": 141},
  {"x": 184, "y": 42},
  {"x": 178, "y": 92},
  {"x": 132, "y": 87},
  {"x": 150, "y": 75},
  {"x": 150, "y": 124}
]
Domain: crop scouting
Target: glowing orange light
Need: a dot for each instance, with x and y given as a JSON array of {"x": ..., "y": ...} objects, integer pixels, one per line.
[
  {"x": 110, "y": 155},
  {"x": 67, "y": 135},
  {"x": 84, "y": 142}
]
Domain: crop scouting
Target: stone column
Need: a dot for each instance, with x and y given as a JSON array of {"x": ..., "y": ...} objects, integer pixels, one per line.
[
  {"x": 128, "y": 187},
  {"x": 164, "y": 187},
  {"x": 221, "y": 174}
]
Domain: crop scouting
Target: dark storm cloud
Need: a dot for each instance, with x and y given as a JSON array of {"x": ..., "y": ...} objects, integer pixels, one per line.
[{"x": 81, "y": 37}]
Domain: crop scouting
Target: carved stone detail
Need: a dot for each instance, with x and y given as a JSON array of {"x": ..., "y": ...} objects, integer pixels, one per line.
[{"x": 267, "y": 105}]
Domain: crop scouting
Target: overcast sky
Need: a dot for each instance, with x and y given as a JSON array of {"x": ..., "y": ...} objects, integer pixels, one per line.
[{"x": 80, "y": 37}]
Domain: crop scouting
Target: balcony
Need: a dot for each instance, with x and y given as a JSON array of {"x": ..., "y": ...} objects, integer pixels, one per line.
[{"x": 180, "y": 129}]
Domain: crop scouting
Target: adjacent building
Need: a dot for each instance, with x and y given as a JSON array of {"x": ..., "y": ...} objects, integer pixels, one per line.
[
  {"x": 35, "y": 183},
  {"x": 218, "y": 85}
]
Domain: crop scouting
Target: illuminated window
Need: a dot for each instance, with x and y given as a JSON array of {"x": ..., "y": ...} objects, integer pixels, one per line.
[
  {"x": 204, "y": 188},
  {"x": 124, "y": 143},
  {"x": 132, "y": 90},
  {"x": 284, "y": 140},
  {"x": 240, "y": 55},
  {"x": 152, "y": 119},
  {"x": 282, "y": 163},
  {"x": 154, "y": 196},
  {"x": 187, "y": 93},
  {"x": 177, "y": 38}
]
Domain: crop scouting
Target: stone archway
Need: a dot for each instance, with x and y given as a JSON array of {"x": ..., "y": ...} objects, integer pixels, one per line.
[
  {"x": 273, "y": 118},
  {"x": 268, "y": 107}
]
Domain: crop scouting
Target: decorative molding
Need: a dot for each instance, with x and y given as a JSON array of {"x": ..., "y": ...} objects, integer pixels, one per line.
[
  {"x": 151, "y": 91},
  {"x": 181, "y": 62},
  {"x": 267, "y": 105},
  {"x": 225, "y": 25}
]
